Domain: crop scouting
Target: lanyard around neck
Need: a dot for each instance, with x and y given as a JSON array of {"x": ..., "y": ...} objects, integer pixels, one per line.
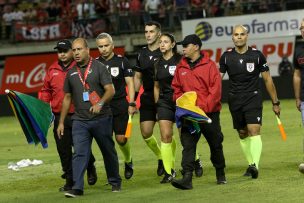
[{"x": 83, "y": 80}]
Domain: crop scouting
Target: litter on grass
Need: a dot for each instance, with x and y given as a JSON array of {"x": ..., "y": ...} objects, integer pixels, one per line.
[{"x": 23, "y": 163}]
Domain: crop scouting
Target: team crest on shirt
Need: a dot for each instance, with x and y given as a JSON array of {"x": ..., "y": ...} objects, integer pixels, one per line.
[
  {"x": 250, "y": 67},
  {"x": 114, "y": 71},
  {"x": 172, "y": 70}
]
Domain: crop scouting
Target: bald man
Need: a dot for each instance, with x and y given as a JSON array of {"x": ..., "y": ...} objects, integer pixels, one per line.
[
  {"x": 244, "y": 65},
  {"x": 89, "y": 85}
]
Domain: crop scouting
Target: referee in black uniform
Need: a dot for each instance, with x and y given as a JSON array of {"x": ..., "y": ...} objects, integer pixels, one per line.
[
  {"x": 298, "y": 76},
  {"x": 122, "y": 75},
  {"x": 163, "y": 93},
  {"x": 144, "y": 72},
  {"x": 244, "y": 65}
]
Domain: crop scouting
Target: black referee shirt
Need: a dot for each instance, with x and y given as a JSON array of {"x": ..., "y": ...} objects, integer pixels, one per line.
[
  {"x": 145, "y": 65},
  {"x": 299, "y": 64},
  {"x": 98, "y": 77},
  {"x": 243, "y": 69},
  {"x": 164, "y": 72},
  {"x": 119, "y": 67}
]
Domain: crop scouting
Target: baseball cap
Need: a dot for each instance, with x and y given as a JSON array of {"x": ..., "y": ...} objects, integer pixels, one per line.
[
  {"x": 191, "y": 39},
  {"x": 63, "y": 44}
]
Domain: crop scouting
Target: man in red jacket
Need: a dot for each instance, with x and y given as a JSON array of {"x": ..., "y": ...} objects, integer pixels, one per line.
[
  {"x": 52, "y": 92},
  {"x": 197, "y": 72}
]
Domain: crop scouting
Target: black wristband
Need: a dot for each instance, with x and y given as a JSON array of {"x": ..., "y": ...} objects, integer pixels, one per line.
[
  {"x": 136, "y": 95},
  {"x": 133, "y": 104},
  {"x": 276, "y": 103}
]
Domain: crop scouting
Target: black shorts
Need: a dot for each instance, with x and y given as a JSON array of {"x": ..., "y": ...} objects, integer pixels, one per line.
[
  {"x": 119, "y": 106},
  {"x": 147, "y": 110},
  {"x": 120, "y": 122},
  {"x": 246, "y": 108},
  {"x": 165, "y": 110},
  {"x": 119, "y": 109}
]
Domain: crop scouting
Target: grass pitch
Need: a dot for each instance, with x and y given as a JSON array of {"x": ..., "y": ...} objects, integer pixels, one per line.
[{"x": 279, "y": 179}]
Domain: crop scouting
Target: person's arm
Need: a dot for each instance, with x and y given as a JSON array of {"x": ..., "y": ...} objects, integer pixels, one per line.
[
  {"x": 131, "y": 93},
  {"x": 223, "y": 65},
  {"x": 64, "y": 111},
  {"x": 297, "y": 87},
  {"x": 215, "y": 88},
  {"x": 272, "y": 92},
  {"x": 137, "y": 83},
  {"x": 176, "y": 85},
  {"x": 107, "y": 96},
  {"x": 45, "y": 94},
  {"x": 156, "y": 91}
]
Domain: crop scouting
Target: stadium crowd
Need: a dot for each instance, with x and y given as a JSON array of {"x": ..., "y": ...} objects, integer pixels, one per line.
[{"x": 120, "y": 13}]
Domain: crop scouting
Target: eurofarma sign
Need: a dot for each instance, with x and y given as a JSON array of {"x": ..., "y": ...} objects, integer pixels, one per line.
[{"x": 272, "y": 33}]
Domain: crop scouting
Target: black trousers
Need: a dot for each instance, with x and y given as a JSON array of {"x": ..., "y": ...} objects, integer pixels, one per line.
[
  {"x": 213, "y": 134},
  {"x": 64, "y": 147}
]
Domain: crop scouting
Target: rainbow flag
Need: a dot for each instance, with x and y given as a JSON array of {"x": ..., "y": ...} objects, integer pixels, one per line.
[
  {"x": 186, "y": 109},
  {"x": 34, "y": 116}
]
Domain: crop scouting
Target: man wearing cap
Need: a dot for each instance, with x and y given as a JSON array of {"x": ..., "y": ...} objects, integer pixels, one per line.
[
  {"x": 52, "y": 92},
  {"x": 197, "y": 72}
]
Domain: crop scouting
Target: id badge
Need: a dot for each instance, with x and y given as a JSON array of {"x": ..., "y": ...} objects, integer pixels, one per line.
[{"x": 85, "y": 96}]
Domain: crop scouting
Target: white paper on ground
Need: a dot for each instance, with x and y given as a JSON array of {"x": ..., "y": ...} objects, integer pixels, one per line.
[{"x": 23, "y": 163}]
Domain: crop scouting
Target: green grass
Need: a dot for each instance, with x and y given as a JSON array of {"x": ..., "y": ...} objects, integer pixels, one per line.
[{"x": 279, "y": 179}]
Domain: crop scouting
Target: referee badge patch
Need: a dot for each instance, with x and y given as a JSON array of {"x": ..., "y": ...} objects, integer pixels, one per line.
[
  {"x": 250, "y": 67},
  {"x": 172, "y": 70},
  {"x": 114, "y": 71}
]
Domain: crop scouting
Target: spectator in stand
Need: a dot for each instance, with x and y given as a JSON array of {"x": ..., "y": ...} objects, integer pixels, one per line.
[
  {"x": 214, "y": 10},
  {"x": 1, "y": 21},
  {"x": 7, "y": 20},
  {"x": 123, "y": 8},
  {"x": 83, "y": 9},
  {"x": 238, "y": 8},
  {"x": 180, "y": 8},
  {"x": 53, "y": 11},
  {"x": 30, "y": 15},
  {"x": 263, "y": 7},
  {"x": 92, "y": 13},
  {"x": 151, "y": 7},
  {"x": 198, "y": 8},
  {"x": 169, "y": 21},
  {"x": 42, "y": 15},
  {"x": 161, "y": 13},
  {"x": 70, "y": 13},
  {"x": 135, "y": 11},
  {"x": 285, "y": 67},
  {"x": 101, "y": 7},
  {"x": 17, "y": 15}
]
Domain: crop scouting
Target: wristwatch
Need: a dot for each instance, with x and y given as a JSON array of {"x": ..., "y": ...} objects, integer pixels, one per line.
[
  {"x": 133, "y": 104},
  {"x": 276, "y": 103},
  {"x": 101, "y": 103}
]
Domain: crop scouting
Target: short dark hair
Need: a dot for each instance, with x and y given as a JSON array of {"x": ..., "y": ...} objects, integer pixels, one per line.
[{"x": 150, "y": 23}]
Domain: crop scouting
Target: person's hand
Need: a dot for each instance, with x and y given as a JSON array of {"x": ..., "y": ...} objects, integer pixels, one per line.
[
  {"x": 132, "y": 110},
  {"x": 276, "y": 109},
  {"x": 95, "y": 109},
  {"x": 60, "y": 130},
  {"x": 298, "y": 104}
]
